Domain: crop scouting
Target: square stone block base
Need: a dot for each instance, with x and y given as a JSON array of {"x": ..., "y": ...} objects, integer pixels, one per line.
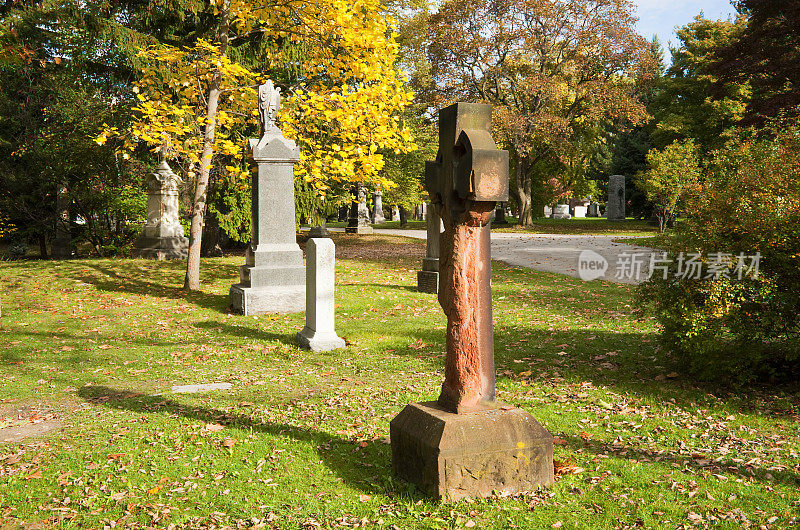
[
  {"x": 319, "y": 341},
  {"x": 457, "y": 456},
  {"x": 358, "y": 229},
  {"x": 161, "y": 248},
  {"x": 428, "y": 282},
  {"x": 258, "y": 300}
]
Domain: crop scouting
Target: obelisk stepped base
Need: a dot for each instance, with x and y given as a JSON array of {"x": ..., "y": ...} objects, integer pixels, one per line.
[
  {"x": 428, "y": 282},
  {"x": 456, "y": 456},
  {"x": 160, "y": 248},
  {"x": 248, "y": 301},
  {"x": 428, "y": 277}
]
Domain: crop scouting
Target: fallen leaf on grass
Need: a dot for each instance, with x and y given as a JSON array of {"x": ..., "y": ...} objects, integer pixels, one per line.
[
  {"x": 566, "y": 468},
  {"x": 213, "y": 427},
  {"x": 116, "y": 456},
  {"x": 35, "y": 474},
  {"x": 364, "y": 498},
  {"x": 228, "y": 442},
  {"x": 153, "y": 491},
  {"x": 93, "y": 466},
  {"x": 559, "y": 441}
]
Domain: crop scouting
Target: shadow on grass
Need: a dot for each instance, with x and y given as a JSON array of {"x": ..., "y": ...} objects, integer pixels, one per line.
[
  {"x": 695, "y": 462},
  {"x": 350, "y": 460},
  {"x": 248, "y": 333},
  {"x": 127, "y": 277}
]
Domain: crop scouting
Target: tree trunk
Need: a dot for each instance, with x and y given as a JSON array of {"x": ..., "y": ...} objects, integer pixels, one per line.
[
  {"x": 192, "y": 282},
  {"x": 43, "y": 246},
  {"x": 403, "y": 216},
  {"x": 524, "y": 192}
]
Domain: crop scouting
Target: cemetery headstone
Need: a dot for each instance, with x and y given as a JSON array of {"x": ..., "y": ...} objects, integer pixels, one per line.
[
  {"x": 580, "y": 211},
  {"x": 548, "y": 212},
  {"x": 319, "y": 231},
  {"x": 359, "y": 213},
  {"x": 594, "y": 210},
  {"x": 395, "y": 213},
  {"x": 466, "y": 444},
  {"x": 62, "y": 243},
  {"x": 499, "y": 215},
  {"x": 377, "y": 214},
  {"x": 561, "y": 211},
  {"x": 272, "y": 280},
  {"x": 615, "y": 207},
  {"x": 319, "y": 333},
  {"x": 428, "y": 277},
  {"x": 162, "y": 236}
]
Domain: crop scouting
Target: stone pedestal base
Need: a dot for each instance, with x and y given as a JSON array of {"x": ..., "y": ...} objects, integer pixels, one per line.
[
  {"x": 428, "y": 282},
  {"x": 358, "y": 229},
  {"x": 161, "y": 248},
  {"x": 457, "y": 456},
  {"x": 319, "y": 341},
  {"x": 272, "y": 299}
]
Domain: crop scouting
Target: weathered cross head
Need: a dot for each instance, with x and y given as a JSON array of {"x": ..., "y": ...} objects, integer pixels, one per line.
[{"x": 469, "y": 176}]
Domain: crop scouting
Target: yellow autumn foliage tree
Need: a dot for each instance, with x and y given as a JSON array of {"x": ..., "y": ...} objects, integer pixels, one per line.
[{"x": 342, "y": 109}]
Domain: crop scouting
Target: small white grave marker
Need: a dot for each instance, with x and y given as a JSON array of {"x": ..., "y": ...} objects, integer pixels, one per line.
[{"x": 319, "y": 333}]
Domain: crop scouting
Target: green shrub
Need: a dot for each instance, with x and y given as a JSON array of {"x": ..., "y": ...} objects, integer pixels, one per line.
[{"x": 747, "y": 328}]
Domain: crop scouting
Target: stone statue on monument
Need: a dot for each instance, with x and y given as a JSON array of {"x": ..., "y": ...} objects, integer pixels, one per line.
[{"x": 269, "y": 101}]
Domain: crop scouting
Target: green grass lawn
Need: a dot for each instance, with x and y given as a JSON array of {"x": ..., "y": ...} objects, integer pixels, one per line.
[{"x": 300, "y": 441}]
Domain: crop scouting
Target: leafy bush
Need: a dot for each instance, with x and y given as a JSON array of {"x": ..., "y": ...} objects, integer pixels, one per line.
[{"x": 747, "y": 328}]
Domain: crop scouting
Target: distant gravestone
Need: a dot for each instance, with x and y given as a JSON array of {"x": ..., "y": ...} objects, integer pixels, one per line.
[
  {"x": 319, "y": 334},
  {"x": 272, "y": 280},
  {"x": 359, "y": 213},
  {"x": 594, "y": 210},
  {"x": 319, "y": 231},
  {"x": 499, "y": 215},
  {"x": 580, "y": 211},
  {"x": 377, "y": 214},
  {"x": 62, "y": 244},
  {"x": 162, "y": 236},
  {"x": 428, "y": 277},
  {"x": 561, "y": 211},
  {"x": 395, "y": 213},
  {"x": 615, "y": 206},
  {"x": 548, "y": 212}
]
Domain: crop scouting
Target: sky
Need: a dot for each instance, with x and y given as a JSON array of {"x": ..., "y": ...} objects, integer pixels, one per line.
[{"x": 660, "y": 17}]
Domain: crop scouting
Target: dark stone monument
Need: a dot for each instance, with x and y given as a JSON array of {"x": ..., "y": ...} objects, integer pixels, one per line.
[
  {"x": 62, "y": 243},
  {"x": 162, "y": 236},
  {"x": 428, "y": 277},
  {"x": 615, "y": 207},
  {"x": 466, "y": 444},
  {"x": 359, "y": 213},
  {"x": 273, "y": 278},
  {"x": 500, "y": 215}
]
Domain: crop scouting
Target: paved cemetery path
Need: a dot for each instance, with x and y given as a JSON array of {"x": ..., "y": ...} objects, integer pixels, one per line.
[{"x": 559, "y": 253}]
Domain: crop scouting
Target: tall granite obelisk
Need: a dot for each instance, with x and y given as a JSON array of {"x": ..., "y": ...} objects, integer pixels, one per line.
[{"x": 273, "y": 278}]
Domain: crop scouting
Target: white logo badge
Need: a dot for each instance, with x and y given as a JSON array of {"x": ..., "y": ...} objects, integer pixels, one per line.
[{"x": 591, "y": 265}]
